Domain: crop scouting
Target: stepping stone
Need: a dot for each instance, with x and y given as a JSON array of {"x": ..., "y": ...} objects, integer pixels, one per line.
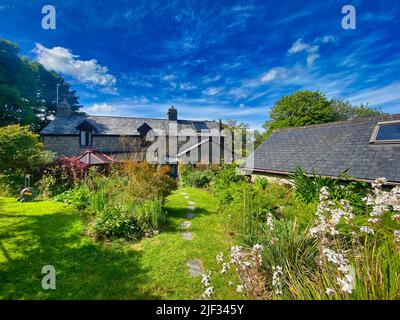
[
  {"x": 186, "y": 197},
  {"x": 192, "y": 203},
  {"x": 184, "y": 193},
  {"x": 195, "y": 268},
  {"x": 186, "y": 224},
  {"x": 190, "y": 208},
  {"x": 190, "y": 215},
  {"x": 186, "y": 235}
]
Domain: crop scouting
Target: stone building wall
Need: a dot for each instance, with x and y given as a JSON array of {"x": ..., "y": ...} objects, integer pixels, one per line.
[{"x": 69, "y": 145}]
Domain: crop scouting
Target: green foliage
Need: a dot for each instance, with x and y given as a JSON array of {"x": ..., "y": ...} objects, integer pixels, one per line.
[
  {"x": 190, "y": 176},
  {"x": 127, "y": 203},
  {"x": 117, "y": 223},
  {"x": 308, "y": 188},
  {"x": 346, "y": 111},
  {"x": 79, "y": 197},
  {"x": 21, "y": 153},
  {"x": 303, "y": 108},
  {"x": 28, "y": 90},
  {"x": 300, "y": 109}
]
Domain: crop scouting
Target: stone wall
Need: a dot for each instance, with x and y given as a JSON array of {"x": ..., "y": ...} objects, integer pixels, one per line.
[{"x": 69, "y": 145}]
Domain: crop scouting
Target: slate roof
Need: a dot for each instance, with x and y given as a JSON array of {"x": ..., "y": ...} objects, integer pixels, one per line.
[
  {"x": 328, "y": 149},
  {"x": 105, "y": 125}
]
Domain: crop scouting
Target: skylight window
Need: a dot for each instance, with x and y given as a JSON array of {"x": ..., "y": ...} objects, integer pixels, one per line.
[
  {"x": 386, "y": 132},
  {"x": 200, "y": 126}
]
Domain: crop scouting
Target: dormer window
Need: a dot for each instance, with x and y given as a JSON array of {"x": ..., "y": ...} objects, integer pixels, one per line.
[
  {"x": 85, "y": 137},
  {"x": 85, "y": 133},
  {"x": 386, "y": 132}
]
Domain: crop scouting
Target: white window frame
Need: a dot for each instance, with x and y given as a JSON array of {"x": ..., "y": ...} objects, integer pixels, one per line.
[{"x": 376, "y": 131}]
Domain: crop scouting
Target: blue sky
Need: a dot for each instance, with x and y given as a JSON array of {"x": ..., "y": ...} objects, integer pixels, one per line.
[{"x": 212, "y": 59}]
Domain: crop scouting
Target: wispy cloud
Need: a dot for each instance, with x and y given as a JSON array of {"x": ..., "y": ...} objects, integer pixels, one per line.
[
  {"x": 273, "y": 74},
  {"x": 300, "y": 46}
]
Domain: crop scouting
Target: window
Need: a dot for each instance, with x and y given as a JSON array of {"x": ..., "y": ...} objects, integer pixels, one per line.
[
  {"x": 86, "y": 137},
  {"x": 386, "y": 132}
]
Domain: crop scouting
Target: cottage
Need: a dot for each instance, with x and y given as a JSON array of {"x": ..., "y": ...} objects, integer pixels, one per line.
[
  {"x": 126, "y": 138},
  {"x": 368, "y": 147}
]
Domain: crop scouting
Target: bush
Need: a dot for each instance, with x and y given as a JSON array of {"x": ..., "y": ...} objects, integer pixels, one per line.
[
  {"x": 126, "y": 203},
  {"x": 147, "y": 182},
  {"x": 189, "y": 176},
  {"x": 79, "y": 197},
  {"x": 116, "y": 223},
  {"x": 21, "y": 153}
]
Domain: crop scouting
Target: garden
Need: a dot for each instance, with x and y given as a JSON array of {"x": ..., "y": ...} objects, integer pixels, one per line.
[{"x": 130, "y": 231}]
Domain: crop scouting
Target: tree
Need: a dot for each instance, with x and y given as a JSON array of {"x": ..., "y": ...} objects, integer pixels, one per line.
[
  {"x": 346, "y": 111},
  {"x": 300, "y": 109},
  {"x": 305, "y": 107},
  {"x": 28, "y": 90},
  {"x": 21, "y": 153}
]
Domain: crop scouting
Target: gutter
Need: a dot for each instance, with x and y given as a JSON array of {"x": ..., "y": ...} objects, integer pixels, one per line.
[{"x": 281, "y": 172}]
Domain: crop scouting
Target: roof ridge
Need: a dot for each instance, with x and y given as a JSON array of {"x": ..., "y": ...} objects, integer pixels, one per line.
[{"x": 143, "y": 118}]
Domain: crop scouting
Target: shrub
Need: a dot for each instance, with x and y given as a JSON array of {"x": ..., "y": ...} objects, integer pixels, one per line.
[
  {"x": 79, "y": 197},
  {"x": 21, "y": 153},
  {"x": 126, "y": 203},
  {"x": 147, "y": 182},
  {"x": 189, "y": 176},
  {"x": 117, "y": 223}
]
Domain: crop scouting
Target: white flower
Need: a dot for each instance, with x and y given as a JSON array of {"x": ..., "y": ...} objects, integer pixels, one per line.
[
  {"x": 374, "y": 220},
  {"x": 240, "y": 288},
  {"x": 367, "y": 230},
  {"x": 346, "y": 284},
  {"x": 230, "y": 283},
  {"x": 205, "y": 278},
  {"x": 276, "y": 279},
  {"x": 225, "y": 267},
  {"x": 396, "y": 236},
  {"x": 208, "y": 292},
  {"x": 270, "y": 222},
  {"x": 329, "y": 291},
  {"x": 220, "y": 257},
  {"x": 258, "y": 247}
]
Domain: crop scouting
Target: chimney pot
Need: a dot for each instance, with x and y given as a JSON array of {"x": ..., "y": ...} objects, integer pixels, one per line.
[{"x": 172, "y": 114}]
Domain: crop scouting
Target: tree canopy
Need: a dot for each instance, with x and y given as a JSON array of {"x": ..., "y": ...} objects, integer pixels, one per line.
[
  {"x": 305, "y": 107},
  {"x": 28, "y": 90}
]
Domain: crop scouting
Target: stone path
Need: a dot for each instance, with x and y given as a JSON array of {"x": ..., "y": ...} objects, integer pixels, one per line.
[
  {"x": 186, "y": 224},
  {"x": 186, "y": 235},
  {"x": 195, "y": 268},
  {"x": 194, "y": 265}
]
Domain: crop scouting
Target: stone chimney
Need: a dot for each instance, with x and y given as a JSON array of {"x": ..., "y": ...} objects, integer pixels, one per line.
[
  {"x": 172, "y": 114},
  {"x": 63, "y": 109}
]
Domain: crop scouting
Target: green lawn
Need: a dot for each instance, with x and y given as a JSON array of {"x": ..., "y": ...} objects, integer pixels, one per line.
[{"x": 49, "y": 233}]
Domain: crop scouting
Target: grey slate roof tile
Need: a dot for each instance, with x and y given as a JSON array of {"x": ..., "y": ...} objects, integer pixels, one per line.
[
  {"x": 328, "y": 149},
  {"x": 114, "y": 125}
]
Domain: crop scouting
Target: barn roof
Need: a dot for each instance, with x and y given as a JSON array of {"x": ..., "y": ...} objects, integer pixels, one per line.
[{"x": 329, "y": 149}]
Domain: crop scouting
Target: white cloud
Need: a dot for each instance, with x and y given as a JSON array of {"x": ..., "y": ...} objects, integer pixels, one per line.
[
  {"x": 88, "y": 72},
  {"x": 300, "y": 46},
  {"x": 327, "y": 39},
  {"x": 212, "y": 91},
  {"x": 100, "y": 109},
  {"x": 274, "y": 74},
  {"x": 378, "y": 96},
  {"x": 187, "y": 86}
]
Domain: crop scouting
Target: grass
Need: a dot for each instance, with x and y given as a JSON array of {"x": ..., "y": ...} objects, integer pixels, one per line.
[{"x": 41, "y": 233}]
